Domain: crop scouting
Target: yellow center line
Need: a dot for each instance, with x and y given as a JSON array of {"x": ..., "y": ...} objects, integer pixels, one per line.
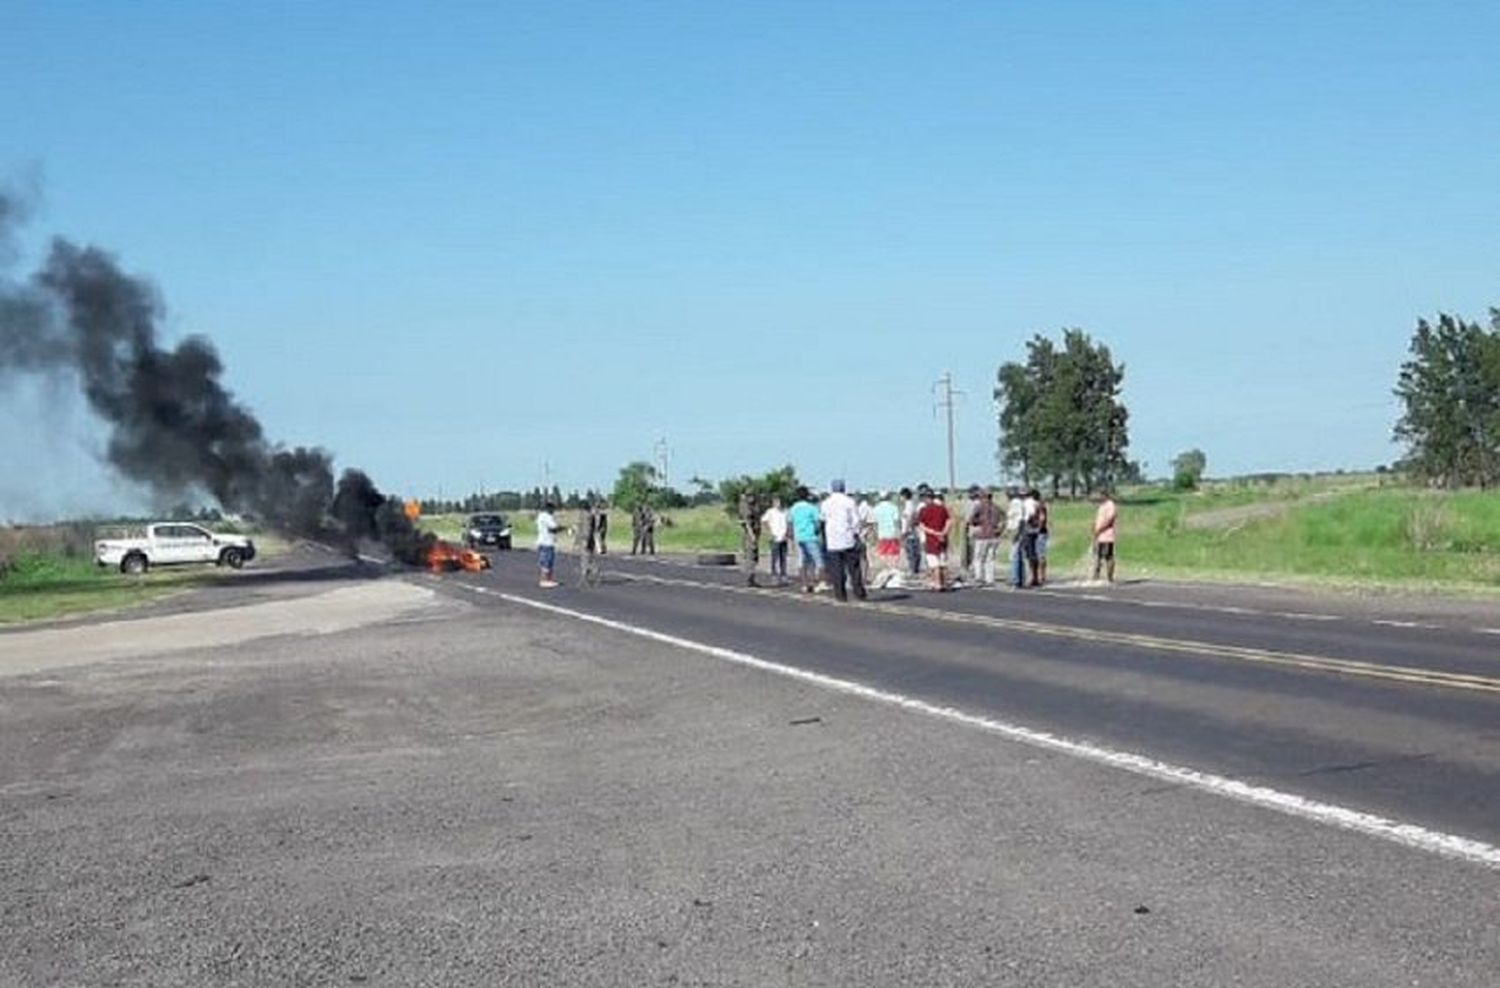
[{"x": 1261, "y": 656}]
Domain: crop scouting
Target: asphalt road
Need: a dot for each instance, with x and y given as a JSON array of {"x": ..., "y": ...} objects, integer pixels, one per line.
[
  {"x": 463, "y": 780},
  {"x": 1332, "y": 700}
]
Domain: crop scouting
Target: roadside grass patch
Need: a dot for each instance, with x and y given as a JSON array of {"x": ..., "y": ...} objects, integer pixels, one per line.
[{"x": 58, "y": 581}]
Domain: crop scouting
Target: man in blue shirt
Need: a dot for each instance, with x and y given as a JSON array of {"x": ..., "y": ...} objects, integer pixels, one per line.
[{"x": 804, "y": 518}]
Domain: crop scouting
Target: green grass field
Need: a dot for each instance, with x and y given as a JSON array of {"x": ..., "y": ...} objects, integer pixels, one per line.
[
  {"x": 1331, "y": 531},
  {"x": 46, "y": 585}
]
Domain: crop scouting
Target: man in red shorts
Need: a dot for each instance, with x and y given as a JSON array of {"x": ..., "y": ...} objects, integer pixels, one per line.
[{"x": 933, "y": 522}]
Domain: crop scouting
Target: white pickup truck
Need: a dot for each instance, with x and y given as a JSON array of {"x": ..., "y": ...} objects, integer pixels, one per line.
[{"x": 169, "y": 543}]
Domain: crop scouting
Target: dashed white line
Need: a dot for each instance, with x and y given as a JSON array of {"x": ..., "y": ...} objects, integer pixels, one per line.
[
  {"x": 1290, "y": 804},
  {"x": 1405, "y": 624}
]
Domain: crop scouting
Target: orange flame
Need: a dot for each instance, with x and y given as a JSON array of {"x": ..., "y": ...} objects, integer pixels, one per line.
[{"x": 445, "y": 557}]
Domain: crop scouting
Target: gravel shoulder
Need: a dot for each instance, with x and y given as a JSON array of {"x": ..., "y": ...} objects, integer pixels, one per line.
[{"x": 461, "y": 795}]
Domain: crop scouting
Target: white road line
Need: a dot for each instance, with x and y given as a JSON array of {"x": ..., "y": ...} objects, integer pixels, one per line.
[
  {"x": 1488, "y": 631},
  {"x": 1405, "y": 624},
  {"x": 1304, "y": 616},
  {"x": 1290, "y": 804}
]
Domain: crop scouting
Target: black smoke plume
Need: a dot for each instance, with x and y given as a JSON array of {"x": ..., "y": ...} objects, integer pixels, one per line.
[{"x": 173, "y": 426}]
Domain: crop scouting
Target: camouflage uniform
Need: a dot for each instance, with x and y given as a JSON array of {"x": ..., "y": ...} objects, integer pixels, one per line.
[{"x": 749, "y": 535}]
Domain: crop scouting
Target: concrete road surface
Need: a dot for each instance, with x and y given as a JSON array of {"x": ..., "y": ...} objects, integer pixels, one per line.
[{"x": 436, "y": 781}]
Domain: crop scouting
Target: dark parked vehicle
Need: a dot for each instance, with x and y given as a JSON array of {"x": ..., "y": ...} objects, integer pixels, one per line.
[{"x": 487, "y": 531}]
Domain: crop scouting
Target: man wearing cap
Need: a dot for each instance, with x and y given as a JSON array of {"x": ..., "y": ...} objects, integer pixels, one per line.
[{"x": 841, "y": 531}]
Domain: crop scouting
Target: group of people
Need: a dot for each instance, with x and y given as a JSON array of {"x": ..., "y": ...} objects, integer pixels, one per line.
[
  {"x": 918, "y": 534},
  {"x": 833, "y": 535}
]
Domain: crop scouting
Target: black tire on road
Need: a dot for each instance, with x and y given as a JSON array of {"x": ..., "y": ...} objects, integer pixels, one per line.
[
  {"x": 135, "y": 564},
  {"x": 505, "y": 544},
  {"x": 232, "y": 557},
  {"x": 717, "y": 559}
]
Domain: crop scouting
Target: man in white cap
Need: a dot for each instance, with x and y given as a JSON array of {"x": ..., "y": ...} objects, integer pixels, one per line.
[{"x": 841, "y": 531}]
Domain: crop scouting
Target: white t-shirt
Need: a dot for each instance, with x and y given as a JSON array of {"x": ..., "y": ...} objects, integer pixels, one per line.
[
  {"x": 546, "y": 526},
  {"x": 1015, "y": 516},
  {"x": 840, "y": 521},
  {"x": 775, "y": 522}
]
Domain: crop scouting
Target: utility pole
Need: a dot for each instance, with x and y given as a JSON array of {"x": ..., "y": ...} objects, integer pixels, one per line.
[
  {"x": 943, "y": 386},
  {"x": 663, "y": 457}
]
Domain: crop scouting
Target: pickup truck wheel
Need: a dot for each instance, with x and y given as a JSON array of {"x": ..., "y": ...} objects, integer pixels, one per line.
[
  {"x": 134, "y": 564},
  {"x": 233, "y": 558}
]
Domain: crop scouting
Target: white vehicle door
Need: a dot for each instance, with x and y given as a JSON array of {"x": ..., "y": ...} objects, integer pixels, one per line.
[
  {"x": 198, "y": 545},
  {"x": 167, "y": 545}
]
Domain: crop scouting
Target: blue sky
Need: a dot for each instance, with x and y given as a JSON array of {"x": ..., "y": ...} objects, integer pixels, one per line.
[{"x": 453, "y": 242}]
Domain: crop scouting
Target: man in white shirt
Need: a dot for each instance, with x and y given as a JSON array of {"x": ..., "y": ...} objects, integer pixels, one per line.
[
  {"x": 841, "y": 527},
  {"x": 546, "y": 543},
  {"x": 775, "y": 521},
  {"x": 1015, "y": 527}
]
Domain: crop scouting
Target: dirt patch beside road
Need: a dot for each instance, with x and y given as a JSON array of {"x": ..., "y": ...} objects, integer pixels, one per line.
[{"x": 324, "y": 613}]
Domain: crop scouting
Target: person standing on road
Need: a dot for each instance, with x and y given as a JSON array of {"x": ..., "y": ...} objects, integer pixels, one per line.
[
  {"x": 1015, "y": 520},
  {"x": 910, "y": 537},
  {"x": 1105, "y": 520},
  {"x": 637, "y": 529},
  {"x": 777, "y": 528},
  {"x": 1029, "y": 531},
  {"x": 887, "y": 541},
  {"x": 1043, "y": 524},
  {"x": 985, "y": 524},
  {"x": 965, "y": 526},
  {"x": 648, "y": 529},
  {"x": 866, "y": 533},
  {"x": 804, "y": 521},
  {"x": 841, "y": 530},
  {"x": 601, "y": 525},
  {"x": 934, "y": 522},
  {"x": 546, "y": 543},
  {"x": 749, "y": 535}
]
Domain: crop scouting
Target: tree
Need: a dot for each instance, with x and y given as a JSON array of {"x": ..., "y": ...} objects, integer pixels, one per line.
[
  {"x": 704, "y": 491},
  {"x": 1188, "y": 468},
  {"x": 638, "y": 484},
  {"x": 781, "y": 482},
  {"x": 1450, "y": 395},
  {"x": 635, "y": 484},
  {"x": 1061, "y": 417}
]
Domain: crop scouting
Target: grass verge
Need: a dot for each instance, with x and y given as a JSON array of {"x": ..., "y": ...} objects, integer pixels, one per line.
[{"x": 47, "y": 585}]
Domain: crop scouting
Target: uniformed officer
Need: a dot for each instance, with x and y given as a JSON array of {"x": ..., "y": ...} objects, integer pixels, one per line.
[{"x": 749, "y": 535}]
